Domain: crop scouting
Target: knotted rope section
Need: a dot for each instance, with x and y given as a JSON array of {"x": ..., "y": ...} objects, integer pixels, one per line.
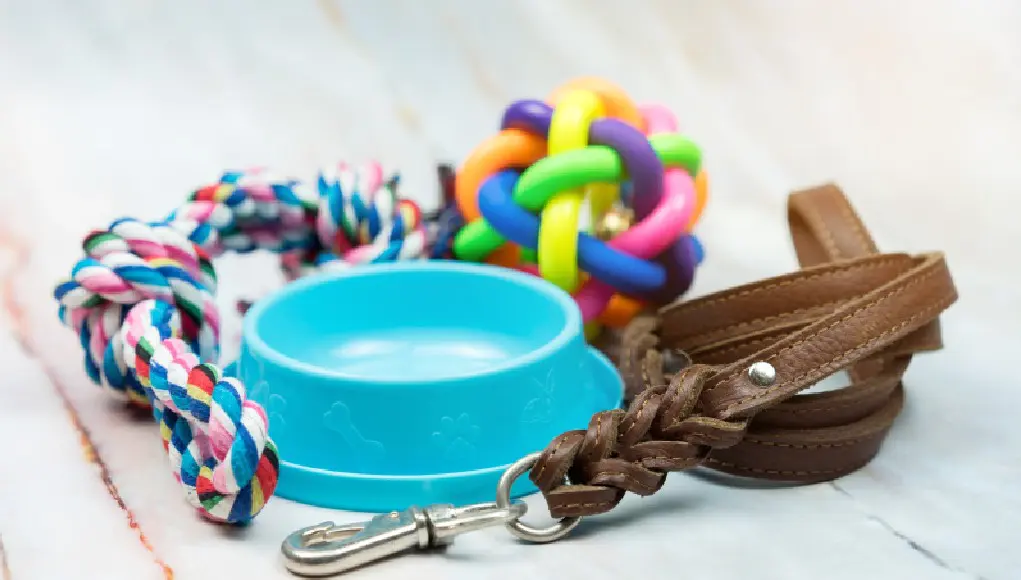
[
  {"x": 361, "y": 219},
  {"x": 142, "y": 302},
  {"x": 633, "y": 450}
]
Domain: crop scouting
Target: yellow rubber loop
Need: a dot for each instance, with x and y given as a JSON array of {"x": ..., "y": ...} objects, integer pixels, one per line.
[
  {"x": 558, "y": 229},
  {"x": 616, "y": 104}
]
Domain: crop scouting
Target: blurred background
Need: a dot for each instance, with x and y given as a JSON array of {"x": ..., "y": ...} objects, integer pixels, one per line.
[
  {"x": 111, "y": 108},
  {"x": 913, "y": 106}
]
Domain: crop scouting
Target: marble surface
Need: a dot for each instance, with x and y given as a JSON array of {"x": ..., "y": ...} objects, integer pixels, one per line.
[{"x": 114, "y": 108}]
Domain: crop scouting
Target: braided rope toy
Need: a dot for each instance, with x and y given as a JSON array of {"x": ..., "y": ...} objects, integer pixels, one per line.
[
  {"x": 521, "y": 192},
  {"x": 362, "y": 220},
  {"x": 142, "y": 303}
]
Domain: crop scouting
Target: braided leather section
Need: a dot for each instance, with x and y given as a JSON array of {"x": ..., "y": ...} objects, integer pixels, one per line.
[
  {"x": 632, "y": 450},
  {"x": 638, "y": 360},
  {"x": 849, "y": 308}
]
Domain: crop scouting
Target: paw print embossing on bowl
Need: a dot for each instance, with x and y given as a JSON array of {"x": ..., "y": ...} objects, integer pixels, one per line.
[{"x": 457, "y": 438}]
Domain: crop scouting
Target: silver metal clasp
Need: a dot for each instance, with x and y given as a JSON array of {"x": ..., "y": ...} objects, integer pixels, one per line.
[{"x": 327, "y": 549}]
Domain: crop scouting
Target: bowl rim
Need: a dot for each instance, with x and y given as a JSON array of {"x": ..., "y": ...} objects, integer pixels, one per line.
[{"x": 254, "y": 342}]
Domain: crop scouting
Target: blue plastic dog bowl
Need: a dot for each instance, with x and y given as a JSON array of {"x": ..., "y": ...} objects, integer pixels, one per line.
[{"x": 419, "y": 382}]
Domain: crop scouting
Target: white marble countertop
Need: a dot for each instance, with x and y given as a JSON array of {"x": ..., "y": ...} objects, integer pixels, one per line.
[{"x": 119, "y": 108}]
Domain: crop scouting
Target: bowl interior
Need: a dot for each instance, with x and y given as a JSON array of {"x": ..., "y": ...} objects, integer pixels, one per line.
[{"x": 415, "y": 321}]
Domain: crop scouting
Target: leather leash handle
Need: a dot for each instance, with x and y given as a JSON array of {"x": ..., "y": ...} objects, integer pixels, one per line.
[{"x": 849, "y": 307}]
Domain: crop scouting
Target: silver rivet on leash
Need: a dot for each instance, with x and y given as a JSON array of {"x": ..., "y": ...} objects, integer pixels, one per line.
[{"x": 762, "y": 374}]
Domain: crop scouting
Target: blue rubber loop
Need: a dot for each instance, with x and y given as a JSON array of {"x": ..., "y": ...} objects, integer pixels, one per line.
[{"x": 624, "y": 272}]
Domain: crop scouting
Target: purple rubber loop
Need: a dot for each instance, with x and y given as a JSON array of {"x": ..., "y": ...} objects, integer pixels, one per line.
[
  {"x": 624, "y": 272},
  {"x": 679, "y": 261},
  {"x": 644, "y": 169}
]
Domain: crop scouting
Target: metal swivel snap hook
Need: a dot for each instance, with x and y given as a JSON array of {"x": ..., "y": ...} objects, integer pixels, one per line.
[{"x": 326, "y": 549}]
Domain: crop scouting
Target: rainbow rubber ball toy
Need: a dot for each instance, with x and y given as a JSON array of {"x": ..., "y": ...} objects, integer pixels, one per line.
[{"x": 522, "y": 192}]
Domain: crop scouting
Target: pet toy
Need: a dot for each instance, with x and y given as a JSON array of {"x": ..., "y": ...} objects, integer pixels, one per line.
[
  {"x": 142, "y": 304},
  {"x": 521, "y": 193}
]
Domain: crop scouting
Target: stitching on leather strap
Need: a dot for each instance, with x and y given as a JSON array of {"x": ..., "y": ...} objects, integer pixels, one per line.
[
  {"x": 737, "y": 467},
  {"x": 741, "y": 325},
  {"x": 594, "y": 505},
  {"x": 796, "y": 411},
  {"x": 542, "y": 468},
  {"x": 829, "y": 242},
  {"x": 690, "y": 308},
  {"x": 827, "y": 368},
  {"x": 598, "y": 430},
  {"x": 739, "y": 346},
  {"x": 854, "y": 221},
  {"x": 642, "y": 486},
  {"x": 808, "y": 446},
  {"x": 865, "y": 388},
  {"x": 779, "y": 409},
  {"x": 641, "y": 410},
  {"x": 879, "y": 300}
]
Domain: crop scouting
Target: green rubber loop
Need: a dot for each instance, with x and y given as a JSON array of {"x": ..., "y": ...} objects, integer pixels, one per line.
[
  {"x": 568, "y": 170},
  {"x": 476, "y": 240}
]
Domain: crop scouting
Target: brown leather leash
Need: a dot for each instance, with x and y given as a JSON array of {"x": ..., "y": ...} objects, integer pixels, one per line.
[
  {"x": 735, "y": 407},
  {"x": 714, "y": 382}
]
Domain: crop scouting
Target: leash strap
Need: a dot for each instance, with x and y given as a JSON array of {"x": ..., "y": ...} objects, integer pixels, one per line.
[{"x": 715, "y": 381}]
